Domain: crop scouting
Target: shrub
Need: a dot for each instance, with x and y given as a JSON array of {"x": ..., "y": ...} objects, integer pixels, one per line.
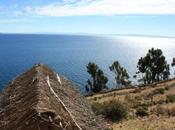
[
  {"x": 112, "y": 110},
  {"x": 159, "y": 91},
  {"x": 95, "y": 98},
  {"x": 115, "y": 111},
  {"x": 167, "y": 88},
  {"x": 142, "y": 111},
  {"x": 170, "y": 98}
]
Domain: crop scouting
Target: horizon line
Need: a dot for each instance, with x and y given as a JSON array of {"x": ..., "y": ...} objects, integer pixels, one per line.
[{"x": 86, "y": 34}]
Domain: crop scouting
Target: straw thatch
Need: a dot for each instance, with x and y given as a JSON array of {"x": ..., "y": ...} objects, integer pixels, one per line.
[{"x": 41, "y": 100}]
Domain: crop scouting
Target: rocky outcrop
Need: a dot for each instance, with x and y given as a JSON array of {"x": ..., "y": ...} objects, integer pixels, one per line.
[{"x": 40, "y": 99}]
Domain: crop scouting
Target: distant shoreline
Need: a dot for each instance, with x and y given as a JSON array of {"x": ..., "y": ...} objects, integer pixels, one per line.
[{"x": 86, "y": 34}]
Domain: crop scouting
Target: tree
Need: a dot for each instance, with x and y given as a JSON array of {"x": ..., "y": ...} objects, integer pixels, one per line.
[
  {"x": 153, "y": 67},
  {"x": 173, "y": 62},
  {"x": 121, "y": 74},
  {"x": 98, "y": 80}
]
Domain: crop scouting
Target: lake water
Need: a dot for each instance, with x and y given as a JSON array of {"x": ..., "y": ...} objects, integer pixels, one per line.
[{"x": 69, "y": 54}]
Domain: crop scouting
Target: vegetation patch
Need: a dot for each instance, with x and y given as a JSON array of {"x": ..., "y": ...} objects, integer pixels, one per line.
[
  {"x": 170, "y": 98},
  {"x": 142, "y": 111},
  {"x": 112, "y": 110},
  {"x": 161, "y": 90}
]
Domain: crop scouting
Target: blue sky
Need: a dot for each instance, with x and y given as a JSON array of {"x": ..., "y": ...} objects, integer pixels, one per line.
[{"x": 144, "y": 17}]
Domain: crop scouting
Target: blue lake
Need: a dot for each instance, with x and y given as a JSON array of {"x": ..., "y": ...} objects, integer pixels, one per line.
[{"x": 69, "y": 54}]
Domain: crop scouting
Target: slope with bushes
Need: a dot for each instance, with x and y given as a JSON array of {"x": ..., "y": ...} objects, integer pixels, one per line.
[{"x": 151, "y": 107}]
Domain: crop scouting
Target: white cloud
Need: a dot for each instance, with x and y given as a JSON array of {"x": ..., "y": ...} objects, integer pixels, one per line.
[{"x": 104, "y": 7}]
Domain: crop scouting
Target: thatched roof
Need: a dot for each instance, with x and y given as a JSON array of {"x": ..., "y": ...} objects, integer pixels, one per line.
[{"x": 41, "y": 100}]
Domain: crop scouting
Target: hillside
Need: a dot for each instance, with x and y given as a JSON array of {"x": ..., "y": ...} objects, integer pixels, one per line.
[{"x": 156, "y": 101}]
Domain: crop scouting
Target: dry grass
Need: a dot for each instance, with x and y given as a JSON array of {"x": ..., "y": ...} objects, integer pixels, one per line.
[
  {"x": 151, "y": 123},
  {"x": 162, "y": 112}
]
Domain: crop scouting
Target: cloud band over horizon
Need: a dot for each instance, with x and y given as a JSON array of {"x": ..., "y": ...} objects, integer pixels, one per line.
[
  {"x": 150, "y": 17},
  {"x": 103, "y": 7}
]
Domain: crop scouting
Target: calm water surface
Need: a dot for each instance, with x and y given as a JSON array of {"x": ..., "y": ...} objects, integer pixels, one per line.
[{"x": 69, "y": 54}]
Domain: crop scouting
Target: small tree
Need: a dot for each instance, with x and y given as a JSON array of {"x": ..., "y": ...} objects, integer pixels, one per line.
[
  {"x": 121, "y": 74},
  {"x": 153, "y": 67},
  {"x": 173, "y": 62},
  {"x": 98, "y": 80}
]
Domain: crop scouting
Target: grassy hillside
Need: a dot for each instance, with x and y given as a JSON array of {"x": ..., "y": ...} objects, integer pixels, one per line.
[{"x": 150, "y": 107}]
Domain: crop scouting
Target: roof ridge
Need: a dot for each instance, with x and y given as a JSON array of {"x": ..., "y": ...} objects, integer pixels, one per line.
[
  {"x": 62, "y": 103},
  {"x": 41, "y": 95}
]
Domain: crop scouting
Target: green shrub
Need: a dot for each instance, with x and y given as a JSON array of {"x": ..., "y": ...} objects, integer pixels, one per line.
[
  {"x": 170, "y": 98},
  {"x": 115, "y": 111},
  {"x": 112, "y": 110},
  {"x": 159, "y": 91},
  {"x": 142, "y": 111}
]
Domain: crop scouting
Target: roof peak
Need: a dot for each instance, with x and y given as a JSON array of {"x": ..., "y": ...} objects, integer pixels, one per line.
[{"x": 41, "y": 92}]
